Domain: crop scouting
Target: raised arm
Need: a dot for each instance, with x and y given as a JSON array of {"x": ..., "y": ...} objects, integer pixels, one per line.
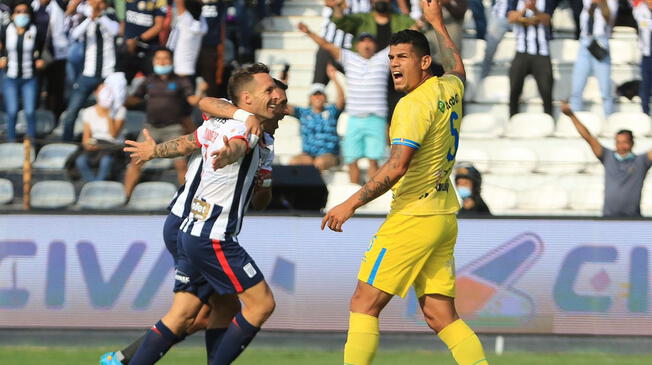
[
  {"x": 450, "y": 56},
  {"x": 222, "y": 108},
  {"x": 604, "y": 9},
  {"x": 338, "y": 8},
  {"x": 331, "y": 71},
  {"x": 379, "y": 184},
  {"x": 321, "y": 42},
  {"x": 142, "y": 152},
  {"x": 596, "y": 147}
]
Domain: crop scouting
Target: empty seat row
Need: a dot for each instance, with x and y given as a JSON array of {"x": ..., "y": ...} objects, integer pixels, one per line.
[
  {"x": 57, "y": 194},
  {"x": 538, "y": 125}
]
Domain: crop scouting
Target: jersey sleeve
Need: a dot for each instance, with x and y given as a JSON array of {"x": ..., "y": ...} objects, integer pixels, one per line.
[
  {"x": 199, "y": 135},
  {"x": 237, "y": 130},
  {"x": 454, "y": 84},
  {"x": 410, "y": 123}
]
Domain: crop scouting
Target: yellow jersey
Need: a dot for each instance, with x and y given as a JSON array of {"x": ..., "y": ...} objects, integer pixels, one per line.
[{"x": 428, "y": 120}]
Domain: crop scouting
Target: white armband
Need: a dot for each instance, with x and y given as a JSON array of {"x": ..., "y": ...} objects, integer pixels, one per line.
[{"x": 241, "y": 115}]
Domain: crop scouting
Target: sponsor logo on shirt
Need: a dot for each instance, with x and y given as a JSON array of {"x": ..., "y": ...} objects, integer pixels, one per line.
[{"x": 144, "y": 20}]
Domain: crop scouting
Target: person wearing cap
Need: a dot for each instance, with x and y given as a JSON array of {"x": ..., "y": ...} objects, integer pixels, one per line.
[
  {"x": 320, "y": 142},
  {"x": 366, "y": 104},
  {"x": 468, "y": 183}
]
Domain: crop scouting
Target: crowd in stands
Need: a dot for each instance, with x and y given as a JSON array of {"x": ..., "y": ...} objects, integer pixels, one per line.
[{"x": 99, "y": 60}]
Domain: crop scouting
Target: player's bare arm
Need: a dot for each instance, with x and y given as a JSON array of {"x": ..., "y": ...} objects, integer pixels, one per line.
[
  {"x": 142, "y": 152},
  {"x": 450, "y": 56},
  {"x": 232, "y": 151},
  {"x": 595, "y": 145},
  {"x": 379, "y": 184},
  {"x": 321, "y": 42},
  {"x": 221, "y": 108}
]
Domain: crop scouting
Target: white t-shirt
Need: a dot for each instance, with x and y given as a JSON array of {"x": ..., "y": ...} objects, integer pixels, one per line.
[
  {"x": 100, "y": 125},
  {"x": 185, "y": 40},
  {"x": 366, "y": 82}
]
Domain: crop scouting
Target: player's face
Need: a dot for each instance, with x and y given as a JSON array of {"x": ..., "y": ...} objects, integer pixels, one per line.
[
  {"x": 318, "y": 100},
  {"x": 262, "y": 96},
  {"x": 407, "y": 67},
  {"x": 281, "y": 108},
  {"x": 623, "y": 144},
  {"x": 366, "y": 48}
]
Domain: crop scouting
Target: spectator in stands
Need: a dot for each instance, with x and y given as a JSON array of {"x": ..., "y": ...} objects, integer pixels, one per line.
[
  {"x": 624, "y": 171},
  {"x": 167, "y": 95},
  {"x": 531, "y": 21},
  {"x": 97, "y": 32},
  {"x": 336, "y": 36},
  {"x": 596, "y": 20},
  {"x": 498, "y": 26},
  {"x": 102, "y": 126},
  {"x": 366, "y": 105},
  {"x": 576, "y": 8},
  {"x": 186, "y": 37},
  {"x": 468, "y": 182},
  {"x": 479, "y": 18},
  {"x": 643, "y": 16},
  {"x": 143, "y": 22},
  {"x": 211, "y": 54},
  {"x": 74, "y": 16},
  {"x": 381, "y": 23},
  {"x": 320, "y": 142},
  {"x": 50, "y": 15},
  {"x": 21, "y": 56},
  {"x": 453, "y": 14}
]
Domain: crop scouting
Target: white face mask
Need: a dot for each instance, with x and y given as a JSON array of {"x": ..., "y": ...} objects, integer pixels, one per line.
[{"x": 105, "y": 98}]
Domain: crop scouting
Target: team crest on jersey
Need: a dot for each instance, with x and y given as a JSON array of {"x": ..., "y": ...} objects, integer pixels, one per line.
[{"x": 210, "y": 135}]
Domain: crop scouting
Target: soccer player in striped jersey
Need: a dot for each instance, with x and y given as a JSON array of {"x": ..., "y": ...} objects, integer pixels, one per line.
[
  {"x": 261, "y": 197},
  {"x": 415, "y": 244}
]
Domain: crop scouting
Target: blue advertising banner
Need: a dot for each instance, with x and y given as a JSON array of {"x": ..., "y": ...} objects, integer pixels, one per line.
[{"x": 513, "y": 275}]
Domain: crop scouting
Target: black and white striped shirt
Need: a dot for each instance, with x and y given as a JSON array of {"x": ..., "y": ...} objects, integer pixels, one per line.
[
  {"x": 643, "y": 16},
  {"x": 336, "y": 36},
  {"x": 601, "y": 26},
  {"x": 98, "y": 36},
  {"x": 532, "y": 39},
  {"x": 21, "y": 50},
  {"x": 366, "y": 83}
]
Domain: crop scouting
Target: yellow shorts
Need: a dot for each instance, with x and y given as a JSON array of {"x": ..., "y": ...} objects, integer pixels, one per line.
[{"x": 412, "y": 250}]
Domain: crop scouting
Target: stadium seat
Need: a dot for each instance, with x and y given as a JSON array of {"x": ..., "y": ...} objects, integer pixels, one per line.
[
  {"x": 44, "y": 122},
  {"x": 52, "y": 194},
  {"x": 101, "y": 195},
  {"x": 562, "y": 159},
  {"x": 341, "y": 124},
  {"x": 288, "y": 127},
  {"x": 135, "y": 122},
  {"x": 563, "y": 21},
  {"x": 624, "y": 51},
  {"x": 335, "y": 177},
  {"x": 151, "y": 196},
  {"x": 499, "y": 111},
  {"x": 78, "y": 128},
  {"x": 54, "y": 156},
  {"x": 637, "y": 122},
  {"x": 646, "y": 199},
  {"x": 6, "y": 191},
  {"x": 530, "y": 125},
  {"x": 480, "y": 125},
  {"x": 499, "y": 200},
  {"x": 564, "y": 51},
  {"x": 565, "y": 128},
  {"x": 506, "y": 51},
  {"x": 473, "y": 50},
  {"x": 337, "y": 193},
  {"x": 475, "y": 154},
  {"x": 380, "y": 205},
  {"x": 12, "y": 156},
  {"x": 624, "y": 32},
  {"x": 493, "y": 89},
  {"x": 587, "y": 196},
  {"x": 548, "y": 198},
  {"x": 287, "y": 149},
  {"x": 158, "y": 164},
  {"x": 519, "y": 181},
  {"x": 511, "y": 159}
]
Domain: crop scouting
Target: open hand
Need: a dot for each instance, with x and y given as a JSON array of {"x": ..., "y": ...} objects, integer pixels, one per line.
[
  {"x": 303, "y": 28},
  {"x": 141, "y": 152},
  {"x": 222, "y": 157},
  {"x": 336, "y": 217},
  {"x": 432, "y": 11}
]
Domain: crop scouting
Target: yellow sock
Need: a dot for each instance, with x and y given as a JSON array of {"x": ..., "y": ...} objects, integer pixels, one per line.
[
  {"x": 463, "y": 343},
  {"x": 362, "y": 339}
]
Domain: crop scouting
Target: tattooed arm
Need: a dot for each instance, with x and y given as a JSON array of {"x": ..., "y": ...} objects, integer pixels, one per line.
[
  {"x": 379, "y": 184},
  {"x": 142, "y": 152},
  {"x": 450, "y": 56}
]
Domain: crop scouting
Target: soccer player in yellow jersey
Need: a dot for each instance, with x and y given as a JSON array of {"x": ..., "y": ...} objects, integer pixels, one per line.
[{"x": 414, "y": 246}]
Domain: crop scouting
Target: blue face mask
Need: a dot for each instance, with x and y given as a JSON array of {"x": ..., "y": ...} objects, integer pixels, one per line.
[
  {"x": 21, "y": 20},
  {"x": 620, "y": 158},
  {"x": 463, "y": 192},
  {"x": 162, "y": 69}
]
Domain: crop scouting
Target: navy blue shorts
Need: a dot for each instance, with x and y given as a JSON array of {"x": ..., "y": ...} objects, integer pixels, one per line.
[
  {"x": 171, "y": 237},
  {"x": 225, "y": 265}
]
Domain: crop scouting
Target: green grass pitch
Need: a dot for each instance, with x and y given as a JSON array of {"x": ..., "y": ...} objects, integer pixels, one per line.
[{"x": 255, "y": 356}]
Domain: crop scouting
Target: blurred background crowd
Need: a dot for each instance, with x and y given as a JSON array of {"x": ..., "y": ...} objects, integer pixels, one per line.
[{"x": 81, "y": 76}]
